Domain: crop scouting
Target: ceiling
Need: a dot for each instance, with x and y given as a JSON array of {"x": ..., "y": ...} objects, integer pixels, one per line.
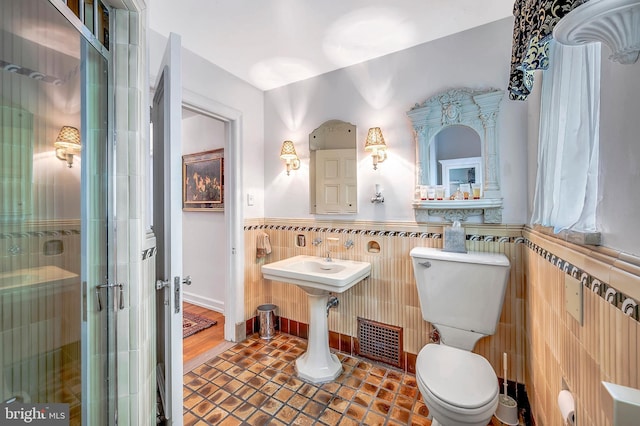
[{"x": 271, "y": 43}]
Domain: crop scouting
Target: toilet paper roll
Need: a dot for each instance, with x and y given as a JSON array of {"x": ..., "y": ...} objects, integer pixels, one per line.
[{"x": 567, "y": 407}]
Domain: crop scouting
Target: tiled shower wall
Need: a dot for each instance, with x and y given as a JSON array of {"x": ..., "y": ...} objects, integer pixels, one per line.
[
  {"x": 23, "y": 245},
  {"x": 603, "y": 348},
  {"x": 135, "y": 262},
  {"x": 389, "y": 295},
  {"x": 46, "y": 316}
]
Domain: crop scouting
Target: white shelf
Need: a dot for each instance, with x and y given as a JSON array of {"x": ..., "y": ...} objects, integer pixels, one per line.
[
  {"x": 489, "y": 208},
  {"x": 615, "y": 23},
  {"x": 482, "y": 203}
]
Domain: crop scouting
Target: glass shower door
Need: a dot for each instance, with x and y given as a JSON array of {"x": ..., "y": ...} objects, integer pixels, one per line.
[
  {"x": 56, "y": 342},
  {"x": 101, "y": 297}
]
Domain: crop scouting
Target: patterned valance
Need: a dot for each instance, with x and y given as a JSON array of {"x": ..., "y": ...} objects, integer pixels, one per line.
[{"x": 532, "y": 31}]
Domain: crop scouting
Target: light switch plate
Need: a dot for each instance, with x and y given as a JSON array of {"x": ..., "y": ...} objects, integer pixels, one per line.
[
  {"x": 250, "y": 200},
  {"x": 573, "y": 297}
]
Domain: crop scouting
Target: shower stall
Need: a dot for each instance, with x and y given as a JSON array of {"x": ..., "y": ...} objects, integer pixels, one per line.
[{"x": 57, "y": 300}]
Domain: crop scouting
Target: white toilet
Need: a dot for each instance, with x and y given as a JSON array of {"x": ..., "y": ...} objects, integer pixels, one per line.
[{"x": 461, "y": 295}]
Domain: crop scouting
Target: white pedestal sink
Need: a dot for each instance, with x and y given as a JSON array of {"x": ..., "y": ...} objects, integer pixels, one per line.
[{"x": 318, "y": 278}]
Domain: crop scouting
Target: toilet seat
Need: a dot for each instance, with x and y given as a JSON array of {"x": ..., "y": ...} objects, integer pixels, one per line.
[{"x": 456, "y": 377}]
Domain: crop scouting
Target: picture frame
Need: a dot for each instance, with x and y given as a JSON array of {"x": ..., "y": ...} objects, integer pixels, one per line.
[{"x": 203, "y": 181}]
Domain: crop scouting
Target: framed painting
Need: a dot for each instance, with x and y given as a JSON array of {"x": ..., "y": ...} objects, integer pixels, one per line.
[{"x": 203, "y": 181}]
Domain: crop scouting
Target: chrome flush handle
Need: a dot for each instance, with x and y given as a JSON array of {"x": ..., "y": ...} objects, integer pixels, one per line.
[{"x": 109, "y": 286}]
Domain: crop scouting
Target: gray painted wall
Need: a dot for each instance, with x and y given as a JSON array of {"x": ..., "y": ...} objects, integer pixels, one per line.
[
  {"x": 378, "y": 93},
  {"x": 203, "y": 233}
]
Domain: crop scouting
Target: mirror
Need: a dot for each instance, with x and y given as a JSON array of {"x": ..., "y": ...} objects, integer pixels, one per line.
[
  {"x": 455, "y": 133},
  {"x": 333, "y": 168},
  {"x": 457, "y": 155}
]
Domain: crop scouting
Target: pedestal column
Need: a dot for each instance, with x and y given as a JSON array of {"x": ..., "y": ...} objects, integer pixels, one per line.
[{"x": 318, "y": 364}]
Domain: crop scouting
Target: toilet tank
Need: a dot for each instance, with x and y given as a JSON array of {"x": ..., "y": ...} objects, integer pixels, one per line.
[{"x": 461, "y": 290}]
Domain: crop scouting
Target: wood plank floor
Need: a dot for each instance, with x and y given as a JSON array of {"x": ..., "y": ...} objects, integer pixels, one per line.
[{"x": 206, "y": 339}]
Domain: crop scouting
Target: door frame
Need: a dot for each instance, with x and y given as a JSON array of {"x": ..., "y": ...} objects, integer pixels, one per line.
[{"x": 234, "y": 328}]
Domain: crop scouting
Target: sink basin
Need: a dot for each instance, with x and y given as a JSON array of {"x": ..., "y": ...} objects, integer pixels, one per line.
[
  {"x": 315, "y": 275},
  {"x": 318, "y": 278}
]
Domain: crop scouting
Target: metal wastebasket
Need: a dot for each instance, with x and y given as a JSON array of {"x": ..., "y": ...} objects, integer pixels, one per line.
[{"x": 267, "y": 318}]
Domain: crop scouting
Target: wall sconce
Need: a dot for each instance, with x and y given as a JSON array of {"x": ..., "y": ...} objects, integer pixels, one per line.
[
  {"x": 67, "y": 144},
  {"x": 375, "y": 144},
  {"x": 288, "y": 154}
]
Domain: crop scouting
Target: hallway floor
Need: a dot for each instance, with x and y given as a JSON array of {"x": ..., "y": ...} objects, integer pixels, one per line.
[
  {"x": 196, "y": 346},
  {"x": 254, "y": 383}
]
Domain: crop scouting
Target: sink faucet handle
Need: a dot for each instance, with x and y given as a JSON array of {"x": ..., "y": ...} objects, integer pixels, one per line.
[
  {"x": 317, "y": 241},
  {"x": 348, "y": 244}
]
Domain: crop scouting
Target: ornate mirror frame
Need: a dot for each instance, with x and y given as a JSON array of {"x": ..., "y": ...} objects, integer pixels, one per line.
[{"x": 479, "y": 111}]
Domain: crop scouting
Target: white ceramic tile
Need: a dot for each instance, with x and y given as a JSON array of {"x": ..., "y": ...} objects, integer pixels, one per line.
[
  {"x": 136, "y": 203},
  {"x": 124, "y": 374},
  {"x": 122, "y": 154},
  {"x": 136, "y": 342},
  {"x": 135, "y": 374},
  {"x": 121, "y": 58},
  {"x": 121, "y": 18},
  {"x": 134, "y": 98},
  {"x": 138, "y": 150},
  {"x": 121, "y": 108},
  {"x": 133, "y": 59}
]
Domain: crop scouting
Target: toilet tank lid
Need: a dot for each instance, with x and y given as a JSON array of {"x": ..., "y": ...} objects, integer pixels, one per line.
[{"x": 496, "y": 259}]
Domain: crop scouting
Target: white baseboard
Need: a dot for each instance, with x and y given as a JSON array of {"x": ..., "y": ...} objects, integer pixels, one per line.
[{"x": 205, "y": 302}]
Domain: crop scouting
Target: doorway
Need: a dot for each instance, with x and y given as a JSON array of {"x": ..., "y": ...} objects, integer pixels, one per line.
[
  {"x": 204, "y": 237},
  {"x": 234, "y": 326}
]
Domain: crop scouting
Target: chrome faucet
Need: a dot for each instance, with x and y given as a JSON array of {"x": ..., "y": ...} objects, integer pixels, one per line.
[{"x": 328, "y": 259}]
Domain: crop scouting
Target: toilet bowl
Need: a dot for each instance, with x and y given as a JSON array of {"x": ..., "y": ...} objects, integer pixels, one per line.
[{"x": 457, "y": 386}]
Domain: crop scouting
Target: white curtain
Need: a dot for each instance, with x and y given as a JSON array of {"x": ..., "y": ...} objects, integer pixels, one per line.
[{"x": 567, "y": 180}]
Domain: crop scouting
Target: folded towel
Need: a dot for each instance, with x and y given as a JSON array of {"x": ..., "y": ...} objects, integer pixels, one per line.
[{"x": 263, "y": 246}]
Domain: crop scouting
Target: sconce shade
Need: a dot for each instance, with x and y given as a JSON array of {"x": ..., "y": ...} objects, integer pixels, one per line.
[
  {"x": 375, "y": 144},
  {"x": 288, "y": 151},
  {"x": 68, "y": 138},
  {"x": 375, "y": 140},
  {"x": 67, "y": 144},
  {"x": 289, "y": 155}
]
